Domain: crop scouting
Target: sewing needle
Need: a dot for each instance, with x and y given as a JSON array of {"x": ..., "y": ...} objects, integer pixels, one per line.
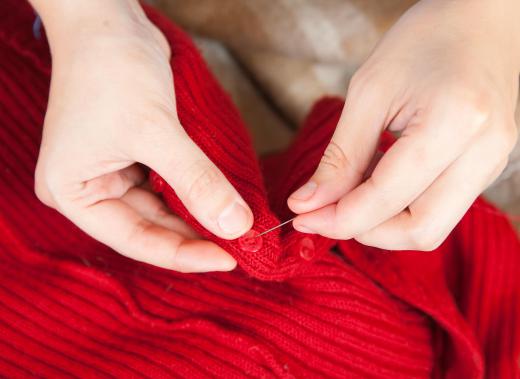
[{"x": 276, "y": 227}]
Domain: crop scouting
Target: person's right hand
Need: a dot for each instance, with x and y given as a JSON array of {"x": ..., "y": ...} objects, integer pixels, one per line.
[{"x": 112, "y": 105}]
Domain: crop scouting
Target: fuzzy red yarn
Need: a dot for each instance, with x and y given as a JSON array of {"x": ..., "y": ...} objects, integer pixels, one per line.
[{"x": 299, "y": 306}]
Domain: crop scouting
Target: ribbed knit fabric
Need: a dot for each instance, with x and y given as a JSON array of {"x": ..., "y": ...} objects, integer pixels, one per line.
[{"x": 301, "y": 306}]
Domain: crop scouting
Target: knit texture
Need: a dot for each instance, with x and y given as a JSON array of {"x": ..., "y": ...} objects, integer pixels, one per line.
[{"x": 301, "y": 306}]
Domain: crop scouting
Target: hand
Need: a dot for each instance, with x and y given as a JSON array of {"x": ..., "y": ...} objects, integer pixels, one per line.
[
  {"x": 446, "y": 76},
  {"x": 112, "y": 105}
]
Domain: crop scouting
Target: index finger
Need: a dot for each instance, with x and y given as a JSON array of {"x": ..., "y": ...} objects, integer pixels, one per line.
[
  {"x": 118, "y": 225},
  {"x": 405, "y": 171}
]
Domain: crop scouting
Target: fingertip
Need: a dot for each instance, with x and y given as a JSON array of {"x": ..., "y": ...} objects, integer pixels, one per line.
[
  {"x": 324, "y": 193},
  {"x": 304, "y": 223},
  {"x": 305, "y": 192},
  {"x": 224, "y": 261},
  {"x": 302, "y": 228},
  {"x": 294, "y": 205},
  {"x": 235, "y": 220},
  {"x": 195, "y": 256},
  {"x": 321, "y": 221},
  {"x": 300, "y": 206},
  {"x": 301, "y": 196}
]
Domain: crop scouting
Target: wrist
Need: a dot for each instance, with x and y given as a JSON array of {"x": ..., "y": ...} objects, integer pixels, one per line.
[
  {"x": 498, "y": 22},
  {"x": 506, "y": 13},
  {"x": 66, "y": 22}
]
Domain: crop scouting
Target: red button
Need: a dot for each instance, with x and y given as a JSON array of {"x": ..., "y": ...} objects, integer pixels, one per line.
[
  {"x": 307, "y": 249},
  {"x": 158, "y": 183},
  {"x": 250, "y": 241}
]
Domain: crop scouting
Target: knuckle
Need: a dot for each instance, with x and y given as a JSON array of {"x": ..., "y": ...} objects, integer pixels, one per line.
[
  {"x": 334, "y": 158},
  {"x": 159, "y": 123},
  {"x": 356, "y": 84},
  {"x": 473, "y": 106},
  {"x": 360, "y": 78},
  {"x": 364, "y": 239},
  {"x": 138, "y": 234},
  {"x": 504, "y": 139},
  {"x": 509, "y": 137},
  {"x": 158, "y": 128},
  {"x": 499, "y": 168},
  {"x": 141, "y": 227},
  {"x": 428, "y": 246},
  {"x": 42, "y": 194},
  {"x": 43, "y": 188},
  {"x": 476, "y": 103},
  {"x": 161, "y": 213},
  {"x": 173, "y": 262},
  {"x": 108, "y": 186},
  {"x": 117, "y": 184},
  {"x": 363, "y": 89},
  {"x": 150, "y": 44},
  {"x": 423, "y": 238},
  {"x": 513, "y": 132},
  {"x": 340, "y": 232},
  {"x": 424, "y": 153},
  {"x": 383, "y": 190},
  {"x": 203, "y": 184},
  {"x": 161, "y": 40},
  {"x": 165, "y": 114}
]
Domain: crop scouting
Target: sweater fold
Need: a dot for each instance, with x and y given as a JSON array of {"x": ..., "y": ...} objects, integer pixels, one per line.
[{"x": 299, "y": 306}]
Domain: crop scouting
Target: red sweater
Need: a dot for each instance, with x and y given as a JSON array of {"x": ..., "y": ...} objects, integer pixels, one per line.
[{"x": 299, "y": 306}]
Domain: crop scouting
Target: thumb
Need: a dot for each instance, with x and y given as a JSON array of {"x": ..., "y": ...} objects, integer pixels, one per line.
[
  {"x": 348, "y": 154},
  {"x": 200, "y": 185}
]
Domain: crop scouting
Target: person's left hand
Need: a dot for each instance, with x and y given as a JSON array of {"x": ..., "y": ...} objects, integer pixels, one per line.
[{"x": 450, "y": 86}]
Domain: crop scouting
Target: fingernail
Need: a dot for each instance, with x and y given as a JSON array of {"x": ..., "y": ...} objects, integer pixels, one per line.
[
  {"x": 234, "y": 219},
  {"x": 304, "y": 229},
  {"x": 305, "y": 192}
]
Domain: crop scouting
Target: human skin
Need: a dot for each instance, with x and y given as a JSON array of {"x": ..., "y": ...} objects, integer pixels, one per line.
[
  {"x": 445, "y": 76},
  {"x": 111, "y": 106}
]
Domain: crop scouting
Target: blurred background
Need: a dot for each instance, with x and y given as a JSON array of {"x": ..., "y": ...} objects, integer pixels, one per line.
[{"x": 276, "y": 58}]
